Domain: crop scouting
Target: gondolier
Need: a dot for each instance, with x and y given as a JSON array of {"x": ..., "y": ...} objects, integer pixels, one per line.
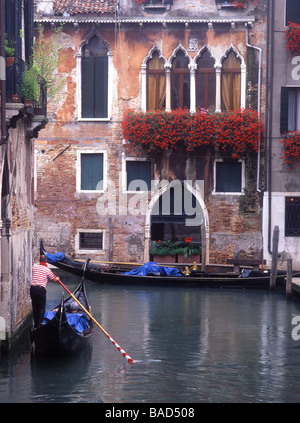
[{"x": 40, "y": 276}]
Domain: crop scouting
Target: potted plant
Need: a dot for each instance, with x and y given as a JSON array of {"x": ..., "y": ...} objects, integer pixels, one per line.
[
  {"x": 30, "y": 85},
  {"x": 9, "y": 52},
  {"x": 188, "y": 251},
  {"x": 164, "y": 252}
]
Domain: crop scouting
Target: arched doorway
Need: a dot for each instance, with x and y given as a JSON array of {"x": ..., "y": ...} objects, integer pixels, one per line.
[{"x": 177, "y": 211}]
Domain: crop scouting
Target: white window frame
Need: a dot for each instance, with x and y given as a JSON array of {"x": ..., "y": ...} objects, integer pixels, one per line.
[
  {"x": 86, "y": 251},
  {"x": 242, "y": 192},
  {"x": 124, "y": 172},
  {"x": 78, "y": 171}
]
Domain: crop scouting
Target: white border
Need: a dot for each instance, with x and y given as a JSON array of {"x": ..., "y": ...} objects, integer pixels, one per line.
[{"x": 81, "y": 251}]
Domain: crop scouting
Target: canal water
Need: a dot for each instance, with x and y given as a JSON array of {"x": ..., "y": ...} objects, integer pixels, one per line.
[{"x": 189, "y": 345}]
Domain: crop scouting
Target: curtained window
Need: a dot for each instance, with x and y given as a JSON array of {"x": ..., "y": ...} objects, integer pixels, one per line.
[
  {"x": 231, "y": 82},
  {"x": 293, "y": 109},
  {"x": 206, "y": 82},
  {"x": 180, "y": 82},
  {"x": 156, "y": 83}
]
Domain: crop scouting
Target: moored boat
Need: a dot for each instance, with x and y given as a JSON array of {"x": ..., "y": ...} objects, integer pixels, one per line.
[{"x": 126, "y": 274}]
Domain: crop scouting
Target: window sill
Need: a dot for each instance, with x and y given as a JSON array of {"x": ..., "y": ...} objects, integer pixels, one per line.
[
  {"x": 228, "y": 193},
  {"x": 225, "y": 5},
  {"x": 94, "y": 119},
  {"x": 156, "y": 6}
]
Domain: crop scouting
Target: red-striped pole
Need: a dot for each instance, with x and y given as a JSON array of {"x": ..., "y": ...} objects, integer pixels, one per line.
[{"x": 128, "y": 358}]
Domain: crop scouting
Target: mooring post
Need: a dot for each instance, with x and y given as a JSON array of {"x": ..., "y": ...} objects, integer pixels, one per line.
[
  {"x": 274, "y": 257},
  {"x": 289, "y": 272}
]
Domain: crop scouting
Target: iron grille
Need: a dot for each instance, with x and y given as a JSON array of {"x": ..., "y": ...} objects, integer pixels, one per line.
[
  {"x": 292, "y": 216},
  {"x": 90, "y": 240}
]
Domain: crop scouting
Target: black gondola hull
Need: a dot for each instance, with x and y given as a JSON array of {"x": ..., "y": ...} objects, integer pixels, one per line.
[
  {"x": 57, "y": 337},
  {"x": 259, "y": 281}
]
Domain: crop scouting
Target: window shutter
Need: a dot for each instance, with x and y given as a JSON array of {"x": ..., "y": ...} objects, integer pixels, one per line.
[
  {"x": 101, "y": 79},
  {"x": 92, "y": 171},
  {"x": 139, "y": 171},
  {"x": 284, "y": 109},
  {"x": 88, "y": 87}
]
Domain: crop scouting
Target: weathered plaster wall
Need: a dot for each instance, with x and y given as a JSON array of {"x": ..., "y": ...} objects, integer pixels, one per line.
[{"x": 61, "y": 211}]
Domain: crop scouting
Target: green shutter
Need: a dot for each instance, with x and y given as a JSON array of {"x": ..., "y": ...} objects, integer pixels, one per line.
[
  {"x": 139, "y": 170},
  {"x": 87, "y": 87},
  {"x": 101, "y": 80},
  {"x": 284, "y": 109},
  {"x": 92, "y": 171}
]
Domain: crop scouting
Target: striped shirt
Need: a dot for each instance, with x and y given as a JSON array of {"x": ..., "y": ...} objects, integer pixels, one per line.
[{"x": 40, "y": 275}]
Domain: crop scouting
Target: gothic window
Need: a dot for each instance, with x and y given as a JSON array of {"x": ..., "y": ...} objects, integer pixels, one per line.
[
  {"x": 180, "y": 81},
  {"x": 205, "y": 81},
  {"x": 231, "y": 82},
  {"x": 156, "y": 83},
  {"x": 94, "y": 79}
]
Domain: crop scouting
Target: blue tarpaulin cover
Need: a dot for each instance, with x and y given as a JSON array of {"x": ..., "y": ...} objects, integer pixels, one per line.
[
  {"x": 154, "y": 268},
  {"x": 76, "y": 320},
  {"x": 53, "y": 258}
]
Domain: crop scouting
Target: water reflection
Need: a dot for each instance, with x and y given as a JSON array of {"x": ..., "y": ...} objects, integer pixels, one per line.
[{"x": 189, "y": 345}]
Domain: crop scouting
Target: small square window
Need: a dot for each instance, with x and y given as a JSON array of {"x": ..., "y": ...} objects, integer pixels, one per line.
[
  {"x": 228, "y": 176},
  {"x": 138, "y": 175},
  {"x": 90, "y": 240}
]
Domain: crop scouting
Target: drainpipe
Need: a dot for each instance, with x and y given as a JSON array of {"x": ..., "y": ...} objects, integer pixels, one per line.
[
  {"x": 258, "y": 99},
  {"x": 3, "y": 82},
  {"x": 269, "y": 109}
]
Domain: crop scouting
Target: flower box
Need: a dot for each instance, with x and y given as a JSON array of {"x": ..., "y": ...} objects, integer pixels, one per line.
[
  {"x": 164, "y": 259},
  {"x": 189, "y": 259}
]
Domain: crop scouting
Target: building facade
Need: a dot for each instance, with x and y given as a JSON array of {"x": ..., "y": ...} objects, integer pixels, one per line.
[
  {"x": 19, "y": 125},
  {"x": 96, "y": 195},
  {"x": 281, "y": 196}
]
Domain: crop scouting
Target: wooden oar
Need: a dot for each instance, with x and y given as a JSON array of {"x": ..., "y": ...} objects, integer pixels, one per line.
[{"x": 129, "y": 359}]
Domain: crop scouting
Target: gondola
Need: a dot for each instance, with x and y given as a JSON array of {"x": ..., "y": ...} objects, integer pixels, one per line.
[
  {"x": 122, "y": 275},
  {"x": 64, "y": 333}
]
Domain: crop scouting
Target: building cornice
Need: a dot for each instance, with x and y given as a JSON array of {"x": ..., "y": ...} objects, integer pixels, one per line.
[{"x": 140, "y": 21}]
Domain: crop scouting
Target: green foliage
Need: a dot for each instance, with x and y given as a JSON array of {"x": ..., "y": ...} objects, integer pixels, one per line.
[
  {"x": 186, "y": 247},
  {"x": 9, "y": 47},
  {"x": 163, "y": 248},
  {"x": 30, "y": 83},
  {"x": 46, "y": 58}
]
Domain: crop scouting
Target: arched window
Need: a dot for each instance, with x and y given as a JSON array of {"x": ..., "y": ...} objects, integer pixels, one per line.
[
  {"x": 180, "y": 81},
  {"x": 94, "y": 78},
  {"x": 205, "y": 81},
  {"x": 231, "y": 82},
  {"x": 156, "y": 83}
]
